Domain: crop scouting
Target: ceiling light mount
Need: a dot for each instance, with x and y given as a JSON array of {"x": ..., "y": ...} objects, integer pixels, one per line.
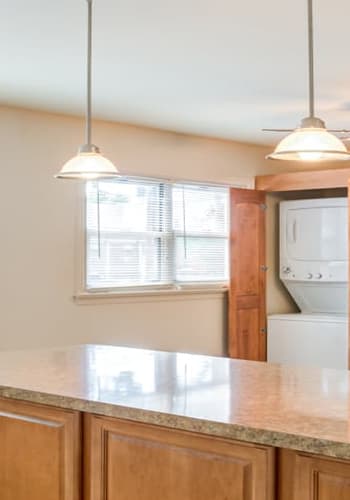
[
  {"x": 311, "y": 141},
  {"x": 312, "y": 122},
  {"x": 88, "y": 163},
  {"x": 89, "y": 148}
]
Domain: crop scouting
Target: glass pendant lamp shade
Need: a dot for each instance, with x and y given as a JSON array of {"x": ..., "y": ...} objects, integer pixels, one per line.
[
  {"x": 310, "y": 144},
  {"x": 87, "y": 165}
]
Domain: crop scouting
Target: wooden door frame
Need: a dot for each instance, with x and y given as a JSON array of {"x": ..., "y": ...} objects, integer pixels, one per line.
[{"x": 302, "y": 181}]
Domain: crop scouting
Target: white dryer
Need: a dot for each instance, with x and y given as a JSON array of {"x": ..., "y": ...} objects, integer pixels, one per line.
[
  {"x": 314, "y": 253},
  {"x": 314, "y": 269}
]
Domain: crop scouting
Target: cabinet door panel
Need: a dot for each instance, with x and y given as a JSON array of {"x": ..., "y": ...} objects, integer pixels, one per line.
[
  {"x": 247, "y": 291},
  {"x": 310, "y": 477},
  {"x": 39, "y": 452},
  {"x": 129, "y": 461}
]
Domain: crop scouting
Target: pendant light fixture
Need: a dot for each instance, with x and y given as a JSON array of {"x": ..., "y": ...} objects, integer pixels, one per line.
[
  {"x": 88, "y": 164},
  {"x": 311, "y": 141}
]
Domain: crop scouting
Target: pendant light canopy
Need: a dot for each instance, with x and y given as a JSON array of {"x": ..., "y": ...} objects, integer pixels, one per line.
[
  {"x": 88, "y": 164},
  {"x": 311, "y": 141}
]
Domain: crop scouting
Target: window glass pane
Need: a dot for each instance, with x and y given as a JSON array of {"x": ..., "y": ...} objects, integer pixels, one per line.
[
  {"x": 127, "y": 262},
  {"x": 128, "y": 206},
  {"x": 135, "y": 234},
  {"x": 200, "y": 209},
  {"x": 200, "y": 220},
  {"x": 201, "y": 259}
]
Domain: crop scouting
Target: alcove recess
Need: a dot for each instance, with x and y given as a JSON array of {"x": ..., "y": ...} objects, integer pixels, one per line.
[
  {"x": 278, "y": 300},
  {"x": 291, "y": 186}
]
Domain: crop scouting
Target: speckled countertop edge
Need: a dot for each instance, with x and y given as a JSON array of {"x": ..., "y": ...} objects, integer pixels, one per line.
[{"x": 207, "y": 427}]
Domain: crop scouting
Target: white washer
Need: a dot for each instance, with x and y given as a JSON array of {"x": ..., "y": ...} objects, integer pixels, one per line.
[{"x": 308, "y": 339}]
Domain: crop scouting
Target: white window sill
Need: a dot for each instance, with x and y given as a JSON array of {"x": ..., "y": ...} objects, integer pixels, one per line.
[{"x": 124, "y": 297}]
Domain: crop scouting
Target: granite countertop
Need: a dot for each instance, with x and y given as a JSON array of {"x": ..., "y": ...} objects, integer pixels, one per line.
[{"x": 299, "y": 408}]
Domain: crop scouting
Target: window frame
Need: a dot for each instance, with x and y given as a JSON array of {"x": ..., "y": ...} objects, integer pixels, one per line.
[{"x": 185, "y": 291}]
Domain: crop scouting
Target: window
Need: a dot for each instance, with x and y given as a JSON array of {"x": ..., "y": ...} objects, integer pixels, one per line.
[{"x": 143, "y": 233}]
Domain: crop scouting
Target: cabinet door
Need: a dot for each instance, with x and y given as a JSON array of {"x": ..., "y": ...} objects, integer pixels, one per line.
[
  {"x": 247, "y": 307},
  {"x": 39, "y": 452},
  {"x": 130, "y": 461},
  {"x": 310, "y": 477}
]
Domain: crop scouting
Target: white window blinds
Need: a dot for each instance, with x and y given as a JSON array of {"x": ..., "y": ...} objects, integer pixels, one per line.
[
  {"x": 142, "y": 233},
  {"x": 200, "y": 224}
]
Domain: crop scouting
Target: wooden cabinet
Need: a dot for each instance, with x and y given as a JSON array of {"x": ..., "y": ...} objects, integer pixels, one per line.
[
  {"x": 40, "y": 459},
  {"x": 247, "y": 308},
  {"x": 130, "y": 461},
  {"x": 39, "y": 452},
  {"x": 310, "y": 477}
]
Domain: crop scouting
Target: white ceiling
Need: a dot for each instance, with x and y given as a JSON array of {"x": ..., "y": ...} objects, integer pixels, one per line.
[{"x": 222, "y": 68}]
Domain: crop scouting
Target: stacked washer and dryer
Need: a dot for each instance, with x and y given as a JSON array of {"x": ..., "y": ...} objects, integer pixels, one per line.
[{"x": 314, "y": 269}]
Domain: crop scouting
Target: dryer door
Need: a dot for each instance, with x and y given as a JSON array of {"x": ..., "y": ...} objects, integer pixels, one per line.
[{"x": 317, "y": 234}]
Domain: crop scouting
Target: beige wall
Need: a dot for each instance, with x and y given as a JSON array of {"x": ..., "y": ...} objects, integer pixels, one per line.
[{"x": 37, "y": 234}]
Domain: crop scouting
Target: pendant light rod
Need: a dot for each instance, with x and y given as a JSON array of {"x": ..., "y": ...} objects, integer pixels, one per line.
[
  {"x": 311, "y": 60},
  {"x": 89, "y": 72}
]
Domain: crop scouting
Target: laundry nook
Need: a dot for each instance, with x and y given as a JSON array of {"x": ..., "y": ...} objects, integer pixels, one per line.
[{"x": 314, "y": 269}]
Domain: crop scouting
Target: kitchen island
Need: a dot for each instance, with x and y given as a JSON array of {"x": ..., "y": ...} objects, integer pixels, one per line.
[{"x": 111, "y": 423}]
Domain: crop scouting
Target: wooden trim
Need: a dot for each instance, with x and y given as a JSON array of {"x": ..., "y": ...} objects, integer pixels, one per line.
[{"x": 298, "y": 181}]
